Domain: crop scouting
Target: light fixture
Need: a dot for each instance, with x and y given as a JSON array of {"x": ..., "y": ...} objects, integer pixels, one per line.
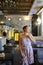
[
  {"x": 26, "y": 17},
  {"x": 2, "y": 22},
  {"x": 9, "y": 19},
  {"x": 0, "y": 37},
  {"x": 20, "y": 19},
  {"x": 6, "y": 31}
]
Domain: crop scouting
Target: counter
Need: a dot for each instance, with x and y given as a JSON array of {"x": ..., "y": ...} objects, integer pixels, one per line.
[{"x": 39, "y": 38}]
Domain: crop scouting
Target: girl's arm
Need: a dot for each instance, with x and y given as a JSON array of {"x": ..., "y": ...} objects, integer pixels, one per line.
[
  {"x": 20, "y": 46},
  {"x": 32, "y": 38}
]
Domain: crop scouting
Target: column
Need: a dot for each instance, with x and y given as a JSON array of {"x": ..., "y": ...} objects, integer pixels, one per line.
[{"x": 42, "y": 23}]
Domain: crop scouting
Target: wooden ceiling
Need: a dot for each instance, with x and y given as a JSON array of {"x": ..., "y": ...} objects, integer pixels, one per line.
[{"x": 21, "y": 7}]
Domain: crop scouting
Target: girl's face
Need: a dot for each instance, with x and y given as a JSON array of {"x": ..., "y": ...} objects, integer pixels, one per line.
[{"x": 27, "y": 29}]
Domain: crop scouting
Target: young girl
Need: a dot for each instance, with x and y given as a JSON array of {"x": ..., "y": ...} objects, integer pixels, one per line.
[{"x": 26, "y": 47}]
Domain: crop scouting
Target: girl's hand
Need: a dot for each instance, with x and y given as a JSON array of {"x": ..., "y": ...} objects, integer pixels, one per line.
[{"x": 22, "y": 54}]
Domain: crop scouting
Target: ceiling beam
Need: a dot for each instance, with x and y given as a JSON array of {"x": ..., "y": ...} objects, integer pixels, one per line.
[
  {"x": 21, "y": 13},
  {"x": 26, "y": 1},
  {"x": 20, "y": 7},
  {"x": 15, "y": 11},
  {"x": 22, "y": 4},
  {"x": 23, "y": 8}
]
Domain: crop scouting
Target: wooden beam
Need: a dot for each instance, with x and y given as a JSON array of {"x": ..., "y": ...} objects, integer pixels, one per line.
[
  {"x": 25, "y": 1},
  {"x": 15, "y": 11},
  {"x": 20, "y": 13},
  {"x": 19, "y": 8},
  {"x": 27, "y": 6},
  {"x": 19, "y": 0},
  {"x": 22, "y": 4}
]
